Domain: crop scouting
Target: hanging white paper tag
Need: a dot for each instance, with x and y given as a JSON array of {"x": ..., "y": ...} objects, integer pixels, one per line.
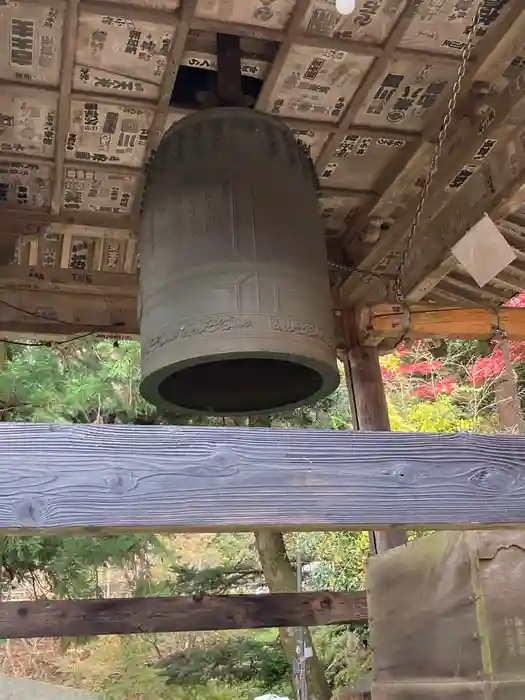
[{"x": 483, "y": 251}]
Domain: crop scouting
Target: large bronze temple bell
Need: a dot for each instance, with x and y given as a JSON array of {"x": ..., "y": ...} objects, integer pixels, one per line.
[{"x": 235, "y": 308}]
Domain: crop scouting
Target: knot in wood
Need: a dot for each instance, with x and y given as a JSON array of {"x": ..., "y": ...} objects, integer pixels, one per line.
[
  {"x": 223, "y": 457},
  {"x": 121, "y": 482},
  {"x": 405, "y": 473},
  {"x": 29, "y": 511},
  {"x": 496, "y": 478}
]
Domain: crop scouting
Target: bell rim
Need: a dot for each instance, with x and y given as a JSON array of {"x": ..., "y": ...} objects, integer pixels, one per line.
[{"x": 329, "y": 375}]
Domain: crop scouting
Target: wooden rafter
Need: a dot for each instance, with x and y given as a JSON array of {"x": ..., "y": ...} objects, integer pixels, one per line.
[
  {"x": 502, "y": 126},
  {"x": 452, "y": 222},
  {"x": 13, "y": 219},
  {"x": 376, "y": 70},
  {"x": 186, "y": 11},
  {"x": 106, "y": 478},
  {"x": 293, "y": 30},
  {"x": 390, "y": 178},
  {"x": 35, "y": 278},
  {"x": 512, "y": 279},
  {"x": 387, "y": 180},
  {"x": 64, "y": 103},
  {"x": 430, "y": 259},
  {"x": 85, "y": 618}
]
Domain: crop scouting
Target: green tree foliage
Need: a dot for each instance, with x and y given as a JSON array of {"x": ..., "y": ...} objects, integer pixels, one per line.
[
  {"x": 97, "y": 381},
  {"x": 68, "y": 567},
  {"x": 239, "y": 659},
  {"x": 88, "y": 381}
]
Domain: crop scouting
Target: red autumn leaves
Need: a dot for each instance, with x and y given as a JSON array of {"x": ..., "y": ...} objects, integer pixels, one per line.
[{"x": 430, "y": 377}]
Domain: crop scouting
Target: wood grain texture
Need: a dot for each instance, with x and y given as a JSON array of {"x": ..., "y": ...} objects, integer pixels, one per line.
[
  {"x": 429, "y": 321},
  {"x": 63, "y": 313},
  {"x": 97, "y": 478},
  {"x": 78, "y": 618},
  {"x": 469, "y": 134}
]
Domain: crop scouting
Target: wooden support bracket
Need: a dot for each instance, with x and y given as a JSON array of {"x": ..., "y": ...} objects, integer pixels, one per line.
[{"x": 398, "y": 321}]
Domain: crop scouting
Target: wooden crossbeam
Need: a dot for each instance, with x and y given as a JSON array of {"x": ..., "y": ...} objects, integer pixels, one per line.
[
  {"x": 93, "y": 478},
  {"x": 86, "y": 618},
  {"x": 398, "y": 321},
  {"x": 61, "y": 313},
  {"x": 49, "y": 279},
  {"x": 16, "y": 220}
]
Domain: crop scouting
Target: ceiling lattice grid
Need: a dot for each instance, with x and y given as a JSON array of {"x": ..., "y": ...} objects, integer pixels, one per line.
[{"x": 88, "y": 89}]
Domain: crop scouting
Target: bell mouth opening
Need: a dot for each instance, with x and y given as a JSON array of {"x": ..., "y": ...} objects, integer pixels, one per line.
[{"x": 241, "y": 386}]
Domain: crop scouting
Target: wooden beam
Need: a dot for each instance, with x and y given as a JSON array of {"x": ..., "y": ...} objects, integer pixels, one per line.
[
  {"x": 49, "y": 279},
  {"x": 156, "y": 131},
  {"x": 14, "y": 87},
  {"x": 229, "y": 84},
  {"x": 300, "y": 124},
  {"x": 57, "y": 313},
  {"x": 129, "y": 11},
  {"x": 444, "y": 297},
  {"x": 86, "y": 618},
  {"x": 367, "y": 195},
  {"x": 511, "y": 278},
  {"x": 64, "y": 103},
  {"x": 320, "y": 42},
  {"x": 251, "y": 31},
  {"x": 15, "y": 220},
  {"x": 114, "y": 478},
  {"x": 421, "y": 321}
]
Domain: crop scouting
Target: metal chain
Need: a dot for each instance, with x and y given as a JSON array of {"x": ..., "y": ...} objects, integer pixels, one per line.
[
  {"x": 355, "y": 270},
  {"x": 438, "y": 152}
]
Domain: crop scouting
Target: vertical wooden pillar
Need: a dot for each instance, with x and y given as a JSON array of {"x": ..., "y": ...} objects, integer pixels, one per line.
[
  {"x": 507, "y": 396},
  {"x": 369, "y": 408}
]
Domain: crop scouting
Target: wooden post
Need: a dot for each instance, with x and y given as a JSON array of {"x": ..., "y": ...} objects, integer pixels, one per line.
[
  {"x": 369, "y": 408},
  {"x": 507, "y": 397},
  {"x": 229, "y": 87}
]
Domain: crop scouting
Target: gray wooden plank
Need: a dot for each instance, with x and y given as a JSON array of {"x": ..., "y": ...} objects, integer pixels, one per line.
[
  {"x": 74, "y": 478},
  {"x": 86, "y": 618}
]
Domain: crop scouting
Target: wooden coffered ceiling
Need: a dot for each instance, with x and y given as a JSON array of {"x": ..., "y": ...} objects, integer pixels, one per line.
[{"x": 88, "y": 89}]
